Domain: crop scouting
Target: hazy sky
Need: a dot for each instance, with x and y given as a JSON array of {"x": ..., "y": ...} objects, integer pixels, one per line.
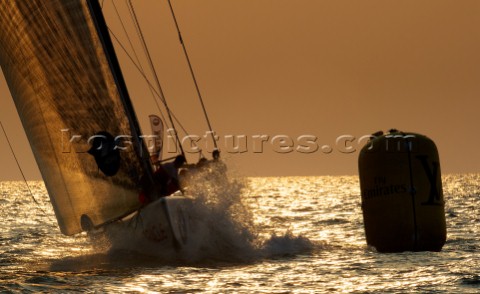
[{"x": 305, "y": 67}]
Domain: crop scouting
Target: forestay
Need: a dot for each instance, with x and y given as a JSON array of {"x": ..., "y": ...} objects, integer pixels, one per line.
[{"x": 65, "y": 93}]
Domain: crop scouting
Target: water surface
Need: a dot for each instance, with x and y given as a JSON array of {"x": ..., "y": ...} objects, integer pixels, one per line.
[{"x": 268, "y": 235}]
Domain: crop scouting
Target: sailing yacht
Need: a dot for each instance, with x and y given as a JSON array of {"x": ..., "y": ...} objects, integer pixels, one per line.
[{"x": 64, "y": 76}]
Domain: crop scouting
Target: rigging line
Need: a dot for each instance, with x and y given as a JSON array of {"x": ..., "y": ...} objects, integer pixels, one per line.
[
  {"x": 21, "y": 170},
  {"x": 139, "y": 67},
  {"x": 128, "y": 37},
  {"x": 150, "y": 62},
  {"x": 193, "y": 74},
  {"x": 136, "y": 56},
  {"x": 151, "y": 86},
  {"x": 144, "y": 47}
]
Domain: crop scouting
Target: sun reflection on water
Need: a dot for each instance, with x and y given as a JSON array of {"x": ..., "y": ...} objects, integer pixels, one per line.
[{"x": 312, "y": 240}]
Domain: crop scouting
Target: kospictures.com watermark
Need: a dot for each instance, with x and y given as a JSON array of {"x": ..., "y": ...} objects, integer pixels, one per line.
[{"x": 233, "y": 144}]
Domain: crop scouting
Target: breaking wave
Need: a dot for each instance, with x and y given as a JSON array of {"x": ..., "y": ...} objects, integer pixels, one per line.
[{"x": 221, "y": 228}]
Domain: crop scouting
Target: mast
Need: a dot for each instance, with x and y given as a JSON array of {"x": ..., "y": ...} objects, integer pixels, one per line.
[
  {"x": 102, "y": 30},
  {"x": 154, "y": 72}
]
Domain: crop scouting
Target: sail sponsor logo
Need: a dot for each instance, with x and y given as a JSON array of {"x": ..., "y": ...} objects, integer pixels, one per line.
[{"x": 155, "y": 232}]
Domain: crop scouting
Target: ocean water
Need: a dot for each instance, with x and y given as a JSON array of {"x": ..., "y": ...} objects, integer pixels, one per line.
[{"x": 262, "y": 235}]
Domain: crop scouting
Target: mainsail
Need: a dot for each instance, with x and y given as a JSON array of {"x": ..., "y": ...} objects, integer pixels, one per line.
[{"x": 74, "y": 109}]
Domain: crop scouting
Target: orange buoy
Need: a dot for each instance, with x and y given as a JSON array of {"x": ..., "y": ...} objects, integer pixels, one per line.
[{"x": 402, "y": 197}]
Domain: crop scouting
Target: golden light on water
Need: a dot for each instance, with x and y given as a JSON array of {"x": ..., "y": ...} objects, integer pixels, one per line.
[
  {"x": 290, "y": 234},
  {"x": 310, "y": 239}
]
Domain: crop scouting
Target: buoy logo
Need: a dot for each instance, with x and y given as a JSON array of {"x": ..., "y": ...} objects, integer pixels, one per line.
[{"x": 434, "y": 197}]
